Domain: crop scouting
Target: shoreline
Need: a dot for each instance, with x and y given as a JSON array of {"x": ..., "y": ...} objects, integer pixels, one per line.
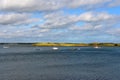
[{"x": 52, "y": 44}]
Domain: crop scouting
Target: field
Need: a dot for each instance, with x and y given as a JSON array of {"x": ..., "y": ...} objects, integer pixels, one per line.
[{"x": 77, "y": 44}]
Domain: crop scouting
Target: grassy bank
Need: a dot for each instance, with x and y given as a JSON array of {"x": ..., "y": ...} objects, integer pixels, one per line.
[{"x": 77, "y": 44}]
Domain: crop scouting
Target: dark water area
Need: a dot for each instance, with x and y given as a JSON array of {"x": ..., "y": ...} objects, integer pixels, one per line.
[{"x": 66, "y": 63}]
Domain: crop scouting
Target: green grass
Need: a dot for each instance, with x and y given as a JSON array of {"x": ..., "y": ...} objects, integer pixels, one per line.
[{"x": 76, "y": 44}]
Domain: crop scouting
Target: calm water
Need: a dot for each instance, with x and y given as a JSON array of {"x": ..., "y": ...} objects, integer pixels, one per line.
[{"x": 66, "y": 63}]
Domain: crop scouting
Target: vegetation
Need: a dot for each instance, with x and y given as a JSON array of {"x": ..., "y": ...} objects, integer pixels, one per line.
[
  {"x": 59, "y": 44},
  {"x": 63, "y": 44},
  {"x": 77, "y": 44}
]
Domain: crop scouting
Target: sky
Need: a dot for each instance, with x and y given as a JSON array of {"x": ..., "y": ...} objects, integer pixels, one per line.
[{"x": 75, "y": 21}]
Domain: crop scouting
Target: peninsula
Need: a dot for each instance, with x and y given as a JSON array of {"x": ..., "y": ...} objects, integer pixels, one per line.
[
  {"x": 48, "y": 44},
  {"x": 77, "y": 44}
]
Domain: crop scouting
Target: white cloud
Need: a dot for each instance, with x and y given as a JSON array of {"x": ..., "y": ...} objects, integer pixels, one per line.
[
  {"x": 49, "y": 5},
  {"x": 60, "y": 20},
  {"x": 23, "y": 31},
  {"x": 51, "y": 21},
  {"x": 114, "y": 32},
  {"x": 115, "y": 3},
  {"x": 85, "y": 27},
  {"x": 16, "y": 19},
  {"x": 57, "y": 20},
  {"x": 94, "y": 16},
  {"x": 29, "y": 5},
  {"x": 55, "y": 24},
  {"x": 87, "y": 4}
]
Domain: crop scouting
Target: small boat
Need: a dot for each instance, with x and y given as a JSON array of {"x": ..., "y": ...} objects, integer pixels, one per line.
[
  {"x": 96, "y": 47},
  {"x": 55, "y": 48},
  {"x": 5, "y": 46}
]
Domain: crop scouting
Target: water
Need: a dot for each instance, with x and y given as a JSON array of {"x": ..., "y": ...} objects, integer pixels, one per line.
[{"x": 66, "y": 63}]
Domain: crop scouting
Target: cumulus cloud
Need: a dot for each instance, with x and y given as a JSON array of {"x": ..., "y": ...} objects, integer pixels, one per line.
[
  {"x": 12, "y": 32},
  {"x": 93, "y": 24},
  {"x": 57, "y": 24},
  {"x": 87, "y": 27},
  {"x": 88, "y": 4},
  {"x": 52, "y": 19},
  {"x": 115, "y": 3},
  {"x": 114, "y": 32},
  {"x": 16, "y": 19},
  {"x": 29, "y": 5},
  {"x": 94, "y": 16},
  {"x": 49, "y": 5},
  {"x": 59, "y": 20}
]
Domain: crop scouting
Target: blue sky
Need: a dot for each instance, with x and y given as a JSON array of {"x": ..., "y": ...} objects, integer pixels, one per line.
[{"x": 74, "y": 21}]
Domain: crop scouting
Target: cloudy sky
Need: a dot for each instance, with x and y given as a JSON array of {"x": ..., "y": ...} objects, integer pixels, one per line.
[{"x": 60, "y": 21}]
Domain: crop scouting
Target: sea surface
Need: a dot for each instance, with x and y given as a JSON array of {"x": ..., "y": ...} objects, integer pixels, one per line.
[{"x": 66, "y": 63}]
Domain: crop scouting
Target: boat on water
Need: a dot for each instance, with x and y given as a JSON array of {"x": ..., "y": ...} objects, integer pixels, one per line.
[
  {"x": 96, "y": 47},
  {"x": 55, "y": 48},
  {"x": 5, "y": 46}
]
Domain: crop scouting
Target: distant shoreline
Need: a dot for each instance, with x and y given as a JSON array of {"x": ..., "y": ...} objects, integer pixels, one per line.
[
  {"x": 48, "y": 44},
  {"x": 78, "y": 44}
]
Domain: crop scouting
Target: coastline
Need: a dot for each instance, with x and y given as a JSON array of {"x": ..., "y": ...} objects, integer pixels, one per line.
[{"x": 50, "y": 44}]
